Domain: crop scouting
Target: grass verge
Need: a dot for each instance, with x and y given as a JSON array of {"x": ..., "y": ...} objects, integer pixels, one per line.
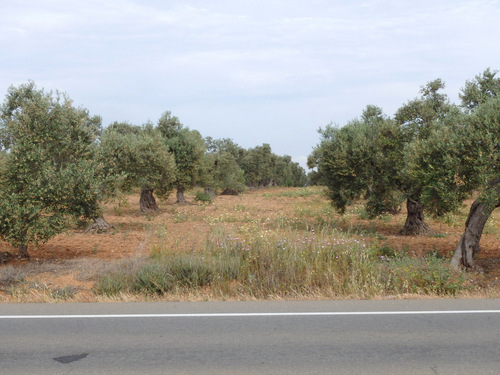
[{"x": 266, "y": 264}]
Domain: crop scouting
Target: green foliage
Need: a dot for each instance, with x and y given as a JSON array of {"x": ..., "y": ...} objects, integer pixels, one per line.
[
  {"x": 222, "y": 172},
  {"x": 361, "y": 159},
  {"x": 258, "y": 166},
  {"x": 463, "y": 154},
  {"x": 419, "y": 120},
  {"x": 225, "y": 145},
  {"x": 264, "y": 168},
  {"x": 431, "y": 152},
  {"x": 288, "y": 173},
  {"x": 152, "y": 278},
  {"x": 188, "y": 148},
  {"x": 442, "y": 165},
  {"x": 230, "y": 166},
  {"x": 140, "y": 156},
  {"x": 3, "y": 164},
  {"x": 479, "y": 90},
  {"x": 192, "y": 271},
  {"x": 384, "y": 252},
  {"x": 165, "y": 272},
  {"x": 48, "y": 175},
  {"x": 202, "y": 196},
  {"x": 429, "y": 275},
  {"x": 418, "y": 117}
]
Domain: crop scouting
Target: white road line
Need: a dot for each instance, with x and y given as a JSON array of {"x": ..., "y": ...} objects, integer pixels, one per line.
[{"x": 236, "y": 315}]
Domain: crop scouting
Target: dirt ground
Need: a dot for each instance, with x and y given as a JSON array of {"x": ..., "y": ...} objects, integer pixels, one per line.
[{"x": 68, "y": 262}]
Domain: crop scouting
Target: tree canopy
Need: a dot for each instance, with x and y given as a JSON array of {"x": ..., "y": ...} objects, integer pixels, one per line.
[
  {"x": 188, "y": 148},
  {"x": 140, "y": 156},
  {"x": 416, "y": 156},
  {"x": 433, "y": 153},
  {"x": 48, "y": 170},
  {"x": 362, "y": 159},
  {"x": 222, "y": 171},
  {"x": 481, "y": 144}
]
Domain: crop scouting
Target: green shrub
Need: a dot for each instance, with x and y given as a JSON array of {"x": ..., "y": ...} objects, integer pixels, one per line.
[
  {"x": 111, "y": 284},
  {"x": 152, "y": 278},
  {"x": 191, "y": 271},
  {"x": 429, "y": 275},
  {"x": 203, "y": 197}
]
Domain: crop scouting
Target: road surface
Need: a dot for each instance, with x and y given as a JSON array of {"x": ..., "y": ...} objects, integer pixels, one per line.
[{"x": 322, "y": 337}]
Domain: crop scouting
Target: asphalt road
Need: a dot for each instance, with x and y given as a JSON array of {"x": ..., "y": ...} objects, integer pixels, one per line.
[{"x": 325, "y": 337}]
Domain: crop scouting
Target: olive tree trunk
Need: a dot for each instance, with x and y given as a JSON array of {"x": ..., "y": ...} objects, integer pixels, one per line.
[
  {"x": 415, "y": 224},
  {"x": 468, "y": 245},
  {"x": 23, "y": 252},
  {"x": 147, "y": 201},
  {"x": 180, "y": 195},
  {"x": 100, "y": 225}
]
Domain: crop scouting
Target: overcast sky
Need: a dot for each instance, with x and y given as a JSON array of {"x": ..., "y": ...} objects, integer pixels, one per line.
[{"x": 255, "y": 71}]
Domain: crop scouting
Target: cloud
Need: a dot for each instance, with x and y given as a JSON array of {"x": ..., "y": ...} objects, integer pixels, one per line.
[{"x": 267, "y": 71}]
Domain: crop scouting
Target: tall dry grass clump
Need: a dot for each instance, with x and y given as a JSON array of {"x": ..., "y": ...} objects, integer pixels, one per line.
[{"x": 260, "y": 263}]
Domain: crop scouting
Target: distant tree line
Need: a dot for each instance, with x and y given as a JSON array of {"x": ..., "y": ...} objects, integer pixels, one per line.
[
  {"x": 58, "y": 164},
  {"x": 431, "y": 154}
]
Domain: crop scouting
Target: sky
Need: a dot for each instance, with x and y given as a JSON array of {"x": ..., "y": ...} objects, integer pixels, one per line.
[{"x": 270, "y": 71}]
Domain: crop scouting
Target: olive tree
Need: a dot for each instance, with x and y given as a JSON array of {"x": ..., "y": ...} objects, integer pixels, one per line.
[
  {"x": 461, "y": 156},
  {"x": 140, "y": 158},
  {"x": 481, "y": 144},
  {"x": 418, "y": 120},
  {"x": 258, "y": 165},
  {"x": 221, "y": 171},
  {"x": 374, "y": 157},
  {"x": 48, "y": 173},
  {"x": 188, "y": 149},
  {"x": 287, "y": 172},
  {"x": 361, "y": 159}
]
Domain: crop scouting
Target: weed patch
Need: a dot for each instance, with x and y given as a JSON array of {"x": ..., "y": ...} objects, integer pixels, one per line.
[{"x": 429, "y": 275}]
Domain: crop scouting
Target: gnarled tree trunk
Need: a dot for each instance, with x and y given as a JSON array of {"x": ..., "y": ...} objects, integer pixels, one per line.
[
  {"x": 468, "y": 245},
  {"x": 23, "y": 252},
  {"x": 415, "y": 224},
  {"x": 100, "y": 225},
  {"x": 147, "y": 201},
  {"x": 180, "y": 195}
]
